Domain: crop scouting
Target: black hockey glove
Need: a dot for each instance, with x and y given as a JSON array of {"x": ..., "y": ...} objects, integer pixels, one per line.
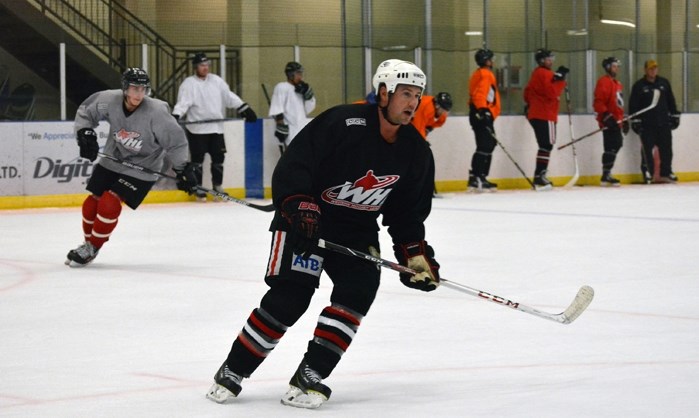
[
  {"x": 609, "y": 121},
  {"x": 561, "y": 73},
  {"x": 87, "y": 141},
  {"x": 420, "y": 257},
  {"x": 246, "y": 112},
  {"x": 282, "y": 132},
  {"x": 625, "y": 126},
  {"x": 674, "y": 121},
  {"x": 637, "y": 126},
  {"x": 305, "y": 90},
  {"x": 484, "y": 116},
  {"x": 186, "y": 179},
  {"x": 303, "y": 215}
]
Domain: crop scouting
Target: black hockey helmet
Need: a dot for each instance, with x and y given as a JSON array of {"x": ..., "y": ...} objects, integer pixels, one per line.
[
  {"x": 291, "y": 68},
  {"x": 199, "y": 58},
  {"x": 443, "y": 99},
  {"x": 607, "y": 62},
  {"x": 541, "y": 54},
  {"x": 483, "y": 55},
  {"x": 135, "y": 77}
]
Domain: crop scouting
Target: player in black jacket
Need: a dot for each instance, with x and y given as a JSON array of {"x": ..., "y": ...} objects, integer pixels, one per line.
[
  {"x": 656, "y": 125},
  {"x": 349, "y": 165}
]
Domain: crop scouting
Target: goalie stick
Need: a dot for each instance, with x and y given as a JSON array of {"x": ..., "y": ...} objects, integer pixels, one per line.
[
  {"x": 576, "y": 175},
  {"x": 220, "y": 195},
  {"x": 574, "y": 310},
  {"x": 653, "y": 103}
]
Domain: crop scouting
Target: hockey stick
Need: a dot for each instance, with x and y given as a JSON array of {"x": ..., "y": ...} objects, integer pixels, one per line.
[
  {"x": 492, "y": 133},
  {"x": 576, "y": 175},
  {"x": 194, "y": 122},
  {"x": 654, "y": 102},
  {"x": 574, "y": 310},
  {"x": 220, "y": 195}
]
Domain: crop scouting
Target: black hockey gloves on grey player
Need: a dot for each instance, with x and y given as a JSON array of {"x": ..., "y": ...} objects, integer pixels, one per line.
[
  {"x": 303, "y": 215},
  {"x": 87, "y": 141},
  {"x": 186, "y": 178},
  {"x": 418, "y": 256}
]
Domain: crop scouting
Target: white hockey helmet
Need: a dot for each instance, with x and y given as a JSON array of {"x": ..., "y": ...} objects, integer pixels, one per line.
[{"x": 394, "y": 72}]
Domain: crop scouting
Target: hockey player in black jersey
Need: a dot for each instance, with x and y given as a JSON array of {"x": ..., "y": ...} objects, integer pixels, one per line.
[{"x": 349, "y": 165}]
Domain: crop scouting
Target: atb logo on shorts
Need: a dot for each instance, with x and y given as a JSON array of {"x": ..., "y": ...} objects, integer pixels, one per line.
[
  {"x": 129, "y": 139},
  {"x": 312, "y": 266},
  {"x": 367, "y": 193}
]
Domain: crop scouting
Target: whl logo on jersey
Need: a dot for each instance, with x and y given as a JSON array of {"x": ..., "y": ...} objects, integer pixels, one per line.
[
  {"x": 128, "y": 139},
  {"x": 367, "y": 193}
]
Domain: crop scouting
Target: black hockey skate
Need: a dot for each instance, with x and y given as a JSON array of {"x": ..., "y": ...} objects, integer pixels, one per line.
[
  {"x": 227, "y": 385},
  {"x": 81, "y": 256},
  {"x": 480, "y": 184},
  {"x": 541, "y": 182},
  {"x": 220, "y": 190},
  {"x": 306, "y": 389},
  {"x": 608, "y": 180}
]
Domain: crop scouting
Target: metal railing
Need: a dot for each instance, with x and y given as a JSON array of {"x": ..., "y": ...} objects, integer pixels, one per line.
[{"x": 116, "y": 36}]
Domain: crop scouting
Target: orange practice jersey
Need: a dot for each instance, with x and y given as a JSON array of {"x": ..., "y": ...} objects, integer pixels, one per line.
[
  {"x": 425, "y": 116},
  {"x": 608, "y": 98},
  {"x": 542, "y": 95},
  {"x": 483, "y": 91}
]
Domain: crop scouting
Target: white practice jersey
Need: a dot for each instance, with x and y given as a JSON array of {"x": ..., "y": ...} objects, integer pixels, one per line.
[
  {"x": 144, "y": 137},
  {"x": 204, "y": 99},
  {"x": 285, "y": 100}
]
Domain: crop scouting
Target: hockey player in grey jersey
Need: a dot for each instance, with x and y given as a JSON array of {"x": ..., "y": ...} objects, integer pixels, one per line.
[{"x": 141, "y": 131}]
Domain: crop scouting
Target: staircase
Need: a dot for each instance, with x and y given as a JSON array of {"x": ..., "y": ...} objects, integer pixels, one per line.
[{"x": 102, "y": 38}]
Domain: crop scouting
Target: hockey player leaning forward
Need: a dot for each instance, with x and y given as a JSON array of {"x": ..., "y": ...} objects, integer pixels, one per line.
[
  {"x": 349, "y": 165},
  {"x": 142, "y": 132}
]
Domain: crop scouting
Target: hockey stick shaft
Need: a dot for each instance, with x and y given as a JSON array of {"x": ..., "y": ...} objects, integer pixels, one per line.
[
  {"x": 194, "y": 122},
  {"x": 220, "y": 195},
  {"x": 576, "y": 308},
  {"x": 576, "y": 174},
  {"x": 492, "y": 133},
  {"x": 654, "y": 102}
]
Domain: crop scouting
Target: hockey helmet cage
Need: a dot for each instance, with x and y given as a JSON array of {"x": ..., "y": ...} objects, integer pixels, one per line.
[
  {"x": 541, "y": 54},
  {"x": 291, "y": 68},
  {"x": 607, "y": 62},
  {"x": 483, "y": 55},
  {"x": 443, "y": 99},
  {"x": 135, "y": 77},
  {"x": 394, "y": 72},
  {"x": 199, "y": 58}
]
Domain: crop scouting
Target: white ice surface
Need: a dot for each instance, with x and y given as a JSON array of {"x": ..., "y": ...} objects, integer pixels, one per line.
[{"x": 141, "y": 331}]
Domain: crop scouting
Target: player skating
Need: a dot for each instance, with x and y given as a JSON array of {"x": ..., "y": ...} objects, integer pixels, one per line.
[
  {"x": 141, "y": 131},
  {"x": 351, "y": 164}
]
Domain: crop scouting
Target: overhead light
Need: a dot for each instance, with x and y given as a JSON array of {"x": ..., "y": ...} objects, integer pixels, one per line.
[
  {"x": 577, "y": 32},
  {"x": 394, "y": 48},
  {"x": 618, "y": 22},
  {"x": 477, "y": 32}
]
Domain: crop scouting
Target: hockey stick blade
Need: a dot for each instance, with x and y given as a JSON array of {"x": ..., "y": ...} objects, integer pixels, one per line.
[
  {"x": 577, "y": 307},
  {"x": 654, "y": 102},
  {"x": 220, "y": 195}
]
